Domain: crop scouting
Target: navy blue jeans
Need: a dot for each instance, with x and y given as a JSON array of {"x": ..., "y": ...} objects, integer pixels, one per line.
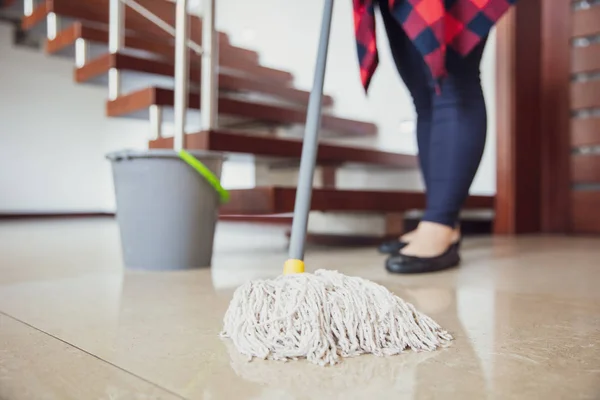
[{"x": 451, "y": 126}]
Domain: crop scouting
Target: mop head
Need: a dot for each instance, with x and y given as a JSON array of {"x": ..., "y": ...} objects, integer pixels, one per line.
[{"x": 323, "y": 317}]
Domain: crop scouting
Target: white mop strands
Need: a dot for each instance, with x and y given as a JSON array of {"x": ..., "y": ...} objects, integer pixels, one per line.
[{"x": 325, "y": 316}]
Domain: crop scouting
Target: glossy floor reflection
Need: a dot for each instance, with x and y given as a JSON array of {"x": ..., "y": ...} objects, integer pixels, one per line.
[{"x": 525, "y": 314}]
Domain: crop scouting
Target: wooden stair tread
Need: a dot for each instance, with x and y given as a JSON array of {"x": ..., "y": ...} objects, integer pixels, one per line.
[
  {"x": 97, "y": 11},
  {"x": 141, "y": 33},
  {"x": 142, "y": 99},
  {"x": 99, "y": 33},
  {"x": 227, "y": 81},
  {"x": 264, "y": 146},
  {"x": 278, "y": 200},
  {"x": 230, "y": 57}
]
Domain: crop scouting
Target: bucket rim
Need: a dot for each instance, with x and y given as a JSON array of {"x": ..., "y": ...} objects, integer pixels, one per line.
[{"x": 128, "y": 154}]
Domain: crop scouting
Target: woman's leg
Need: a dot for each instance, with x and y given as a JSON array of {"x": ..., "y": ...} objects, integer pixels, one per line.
[
  {"x": 451, "y": 130},
  {"x": 415, "y": 75},
  {"x": 413, "y": 71},
  {"x": 457, "y": 140}
]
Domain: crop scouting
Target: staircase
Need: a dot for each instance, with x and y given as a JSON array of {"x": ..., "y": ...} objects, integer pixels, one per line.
[{"x": 260, "y": 111}]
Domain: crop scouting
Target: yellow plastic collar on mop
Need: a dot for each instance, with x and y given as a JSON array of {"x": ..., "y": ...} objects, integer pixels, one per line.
[{"x": 292, "y": 266}]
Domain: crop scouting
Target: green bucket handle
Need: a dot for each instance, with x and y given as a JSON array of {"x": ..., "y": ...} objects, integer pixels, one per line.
[{"x": 206, "y": 174}]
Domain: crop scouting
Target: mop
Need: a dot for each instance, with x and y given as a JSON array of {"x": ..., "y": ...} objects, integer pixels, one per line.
[{"x": 324, "y": 316}]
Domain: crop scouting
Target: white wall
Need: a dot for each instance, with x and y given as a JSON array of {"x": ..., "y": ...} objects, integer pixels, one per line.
[{"x": 53, "y": 135}]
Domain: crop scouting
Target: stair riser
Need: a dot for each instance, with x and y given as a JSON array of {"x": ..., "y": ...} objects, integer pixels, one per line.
[
  {"x": 345, "y": 178},
  {"x": 243, "y": 79},
  {"x": 376, "y": 225},
  {"x": 284, "y": 153},
  {"x": 246, "y": 69},
  {"x": 132, "y": 81},
  {"x": 193, "y": 120},
  {"x": 93, "y": 50},
  {"x": 231, "y": 121},
  {"x": 277, "y": 200},
  {"x": 41, "y": 29}
]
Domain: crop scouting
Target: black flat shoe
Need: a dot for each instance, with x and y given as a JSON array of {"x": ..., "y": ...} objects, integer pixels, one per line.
[
  {"x": 404, "y": 264},
  {"x": 392, "y": 246}
]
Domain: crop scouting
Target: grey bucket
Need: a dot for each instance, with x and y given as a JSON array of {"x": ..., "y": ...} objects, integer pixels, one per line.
[{"x": 166, "y": 211}]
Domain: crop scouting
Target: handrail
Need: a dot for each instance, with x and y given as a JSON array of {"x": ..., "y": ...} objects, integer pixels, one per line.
[
  {"x": 208, "y": 80},
  {"x": 28, "y": 6},
  {"x": 210, "y": 63},
  {"x": 209, "y": 52},
  {"x": 182, "y": 73},
  {"x": 156, "y": 20}
]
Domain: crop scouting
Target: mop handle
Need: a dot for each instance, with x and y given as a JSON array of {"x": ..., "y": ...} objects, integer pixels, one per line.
[{"x": 310, "y": 144}]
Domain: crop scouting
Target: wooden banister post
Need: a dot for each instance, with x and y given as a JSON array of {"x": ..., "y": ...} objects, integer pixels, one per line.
[{"x": 116, "y": 39}]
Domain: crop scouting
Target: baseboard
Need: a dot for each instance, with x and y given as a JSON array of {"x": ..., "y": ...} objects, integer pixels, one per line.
[
  {"x": 53, "y": 215},
  {"x": 276, "y": 219},
  {"x": 280, "y": 219}
]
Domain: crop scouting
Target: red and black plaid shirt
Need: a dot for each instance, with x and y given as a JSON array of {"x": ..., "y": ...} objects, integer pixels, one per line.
[{"x": 432, "y": 25}]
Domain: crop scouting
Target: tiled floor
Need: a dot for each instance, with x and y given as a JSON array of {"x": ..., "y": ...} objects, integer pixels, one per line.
[{"x": 73, "y": 325}]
